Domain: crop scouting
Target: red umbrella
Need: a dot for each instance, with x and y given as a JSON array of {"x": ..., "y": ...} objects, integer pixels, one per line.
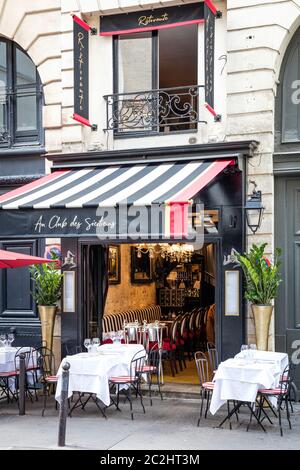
[{"x": 10, "y": 259}]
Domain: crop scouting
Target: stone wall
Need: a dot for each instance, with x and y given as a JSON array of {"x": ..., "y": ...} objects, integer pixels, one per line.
[
  {"x": 257, "y": 36},
  {"x": 127, "y": 296}
]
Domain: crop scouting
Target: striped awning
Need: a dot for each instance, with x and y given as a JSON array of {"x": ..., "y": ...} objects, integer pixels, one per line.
[
  {"x": 71, "y": 193},
  {"x": 139, "y": 185}
]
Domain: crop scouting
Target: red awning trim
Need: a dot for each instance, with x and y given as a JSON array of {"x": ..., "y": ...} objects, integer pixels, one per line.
[
  {"x": 151, "y": 28},
  {"x": 203, "y": 180},
  {"x": 179, "y": 220},
  {"x": 81, "y": 22},
  {"x": 28, "y": 187},
  {"x": 82, "y": 120},
  {"x": 211, "y": 6}
]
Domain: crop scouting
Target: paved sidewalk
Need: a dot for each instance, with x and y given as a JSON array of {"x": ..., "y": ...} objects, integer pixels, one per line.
[{"x": 168, "y": 424}]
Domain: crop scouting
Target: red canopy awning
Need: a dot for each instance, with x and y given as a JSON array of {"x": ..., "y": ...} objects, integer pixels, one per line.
[{"x": 10, "y": 259}]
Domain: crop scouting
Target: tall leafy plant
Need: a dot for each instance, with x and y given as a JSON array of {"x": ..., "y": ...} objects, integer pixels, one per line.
[
  {"x": 261, "y": 275},
  {"x": 47, "y": 281}
]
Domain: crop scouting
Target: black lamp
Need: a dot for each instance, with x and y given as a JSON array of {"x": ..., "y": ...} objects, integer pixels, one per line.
[{"x": 254, "y": 209}]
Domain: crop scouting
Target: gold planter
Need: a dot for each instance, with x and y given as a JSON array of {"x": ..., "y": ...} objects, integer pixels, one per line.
[
  {"x": 262, "y": 317},
  {"x": 47, "y": 316}
]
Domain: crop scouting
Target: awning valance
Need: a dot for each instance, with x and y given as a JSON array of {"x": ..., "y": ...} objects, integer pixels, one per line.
[
  {"x": 149, "y": 20},
  {"x": 77, "y": 195}
]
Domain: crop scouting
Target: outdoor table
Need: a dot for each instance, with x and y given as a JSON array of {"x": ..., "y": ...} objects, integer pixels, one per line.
[
  {"x": 239, "y": 379},
  {"x": 7, "y": 358},
  {"x": 7, "y": 363},
  {"x": 90, "y": 372}
]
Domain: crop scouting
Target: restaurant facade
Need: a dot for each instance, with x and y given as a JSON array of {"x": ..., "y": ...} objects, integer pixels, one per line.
[{"x": 130, "y": 126}]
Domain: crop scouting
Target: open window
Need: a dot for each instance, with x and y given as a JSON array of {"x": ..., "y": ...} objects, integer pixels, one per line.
[{"x": 155, "y": 81}]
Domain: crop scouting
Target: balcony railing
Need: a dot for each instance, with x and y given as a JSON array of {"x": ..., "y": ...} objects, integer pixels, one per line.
[{"x": 154, "y": 111}]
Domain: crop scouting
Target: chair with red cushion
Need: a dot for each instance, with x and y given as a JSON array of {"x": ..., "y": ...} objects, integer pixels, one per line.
[
  {"x": 281, "y": 393},
  {"x": 9, "y": 380},
  {"x": 153, "y": 367},
  {"x": 206, "y": 387},
  {"x": 131, "y": 381},
  {"x": 46, "y": 364}
]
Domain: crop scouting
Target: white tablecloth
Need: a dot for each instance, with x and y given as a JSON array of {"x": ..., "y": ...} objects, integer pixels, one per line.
[
  {"x": 280, "y": 359},
  {"x": 90, "y": 372},
  {"x": 7, "y": 363},
  {"x": 7, "y": 359},
  {"x": 239, "y": 379}
]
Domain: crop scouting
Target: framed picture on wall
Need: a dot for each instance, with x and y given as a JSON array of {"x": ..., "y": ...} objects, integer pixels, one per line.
[
  {"x": 114, "y": 264},
  {"x": 141, "y": 267}
]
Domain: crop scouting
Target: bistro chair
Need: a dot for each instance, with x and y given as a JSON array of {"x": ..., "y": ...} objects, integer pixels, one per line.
[
  {"x": 132, "y": 381},
  {"x": 33, "y": 373},
  {"x": 9, "y": 380},
  {"x": 206, "y": 387},
  {"x": 153, "y": 367},
  {"x": 213, "y": 357},
  {"x": 281, "y": 392},
  {"x": 46, "y": 364},
  {"x": 31, "y": 368}
]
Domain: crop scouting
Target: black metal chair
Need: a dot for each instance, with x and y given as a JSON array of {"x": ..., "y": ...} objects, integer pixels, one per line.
[
  {"x": 9, "y": 380},
  {"x": 153, "y": 367},
  {"x": 206, "y": 386},
  {"x": 282, "y": 393},
  {"x": 46, "y": 365},
  {"x": 213, "y": 357},
  {"x": 133, "y": 380}
]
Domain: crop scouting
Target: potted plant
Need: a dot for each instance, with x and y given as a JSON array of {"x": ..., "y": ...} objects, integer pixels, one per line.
[
  {"x": 47, "y": 292},
  {"x": 262, "y": 279}
]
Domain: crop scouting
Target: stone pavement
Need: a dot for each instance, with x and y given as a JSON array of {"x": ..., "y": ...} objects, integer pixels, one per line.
[{"x": 168, "y": 424}]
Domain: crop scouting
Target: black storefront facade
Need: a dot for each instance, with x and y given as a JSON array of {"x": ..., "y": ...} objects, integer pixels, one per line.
[{"x": 23, "y": 216}]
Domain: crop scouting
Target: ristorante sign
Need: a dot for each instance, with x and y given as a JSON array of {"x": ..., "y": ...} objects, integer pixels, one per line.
[
  {"x": 81, "y": 31},
  {"x": 150, "y": 20}
]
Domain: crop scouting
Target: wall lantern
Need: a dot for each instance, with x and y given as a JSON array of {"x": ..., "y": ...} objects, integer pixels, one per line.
[{"x": 254, "y": 209}]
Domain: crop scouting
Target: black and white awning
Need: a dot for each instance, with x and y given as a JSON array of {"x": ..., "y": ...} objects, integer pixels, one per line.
[{"x": 141, "y": 185}]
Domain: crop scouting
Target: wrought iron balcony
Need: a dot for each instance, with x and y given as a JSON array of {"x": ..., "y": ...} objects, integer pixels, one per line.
[{"x": 154, "y": 111}]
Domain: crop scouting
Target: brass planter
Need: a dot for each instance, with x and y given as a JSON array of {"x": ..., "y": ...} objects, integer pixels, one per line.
[
  {"x": 47, "y": 316},
  {"x": 262, "y": 317}
]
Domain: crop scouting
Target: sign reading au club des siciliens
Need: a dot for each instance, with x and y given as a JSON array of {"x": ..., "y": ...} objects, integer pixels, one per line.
[{"x": 81, "y": 71}]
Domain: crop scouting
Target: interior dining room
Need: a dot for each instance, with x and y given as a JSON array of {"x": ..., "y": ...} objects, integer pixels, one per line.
[{"x": 170, "y": 285}]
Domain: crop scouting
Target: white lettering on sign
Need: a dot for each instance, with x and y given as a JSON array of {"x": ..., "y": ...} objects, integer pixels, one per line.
[{"x": 76, "y": 224}]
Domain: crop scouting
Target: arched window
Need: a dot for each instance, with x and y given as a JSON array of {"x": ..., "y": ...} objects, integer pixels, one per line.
[
  {"x": 291, "y": 93},
  {"x": 20, "y": 97}
]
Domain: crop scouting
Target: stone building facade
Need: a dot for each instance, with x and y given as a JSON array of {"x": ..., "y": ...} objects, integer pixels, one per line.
[{"x": 252, "y": 38}]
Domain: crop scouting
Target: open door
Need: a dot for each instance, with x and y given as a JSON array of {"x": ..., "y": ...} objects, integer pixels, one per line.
[{"x": 94, "y": 292}]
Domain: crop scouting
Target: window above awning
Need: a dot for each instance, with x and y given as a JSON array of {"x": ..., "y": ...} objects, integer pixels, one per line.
[{"x": 79, "y": 193}]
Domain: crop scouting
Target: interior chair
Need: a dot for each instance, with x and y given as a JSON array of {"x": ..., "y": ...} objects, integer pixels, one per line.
[{"x": 132, "y": 381}]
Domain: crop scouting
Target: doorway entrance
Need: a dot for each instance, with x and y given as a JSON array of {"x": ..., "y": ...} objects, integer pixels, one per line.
[
  {"x": 179, "y": 284},
  {"x": 287, "y": 237},
  {"x": 92, "y": 259}
]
